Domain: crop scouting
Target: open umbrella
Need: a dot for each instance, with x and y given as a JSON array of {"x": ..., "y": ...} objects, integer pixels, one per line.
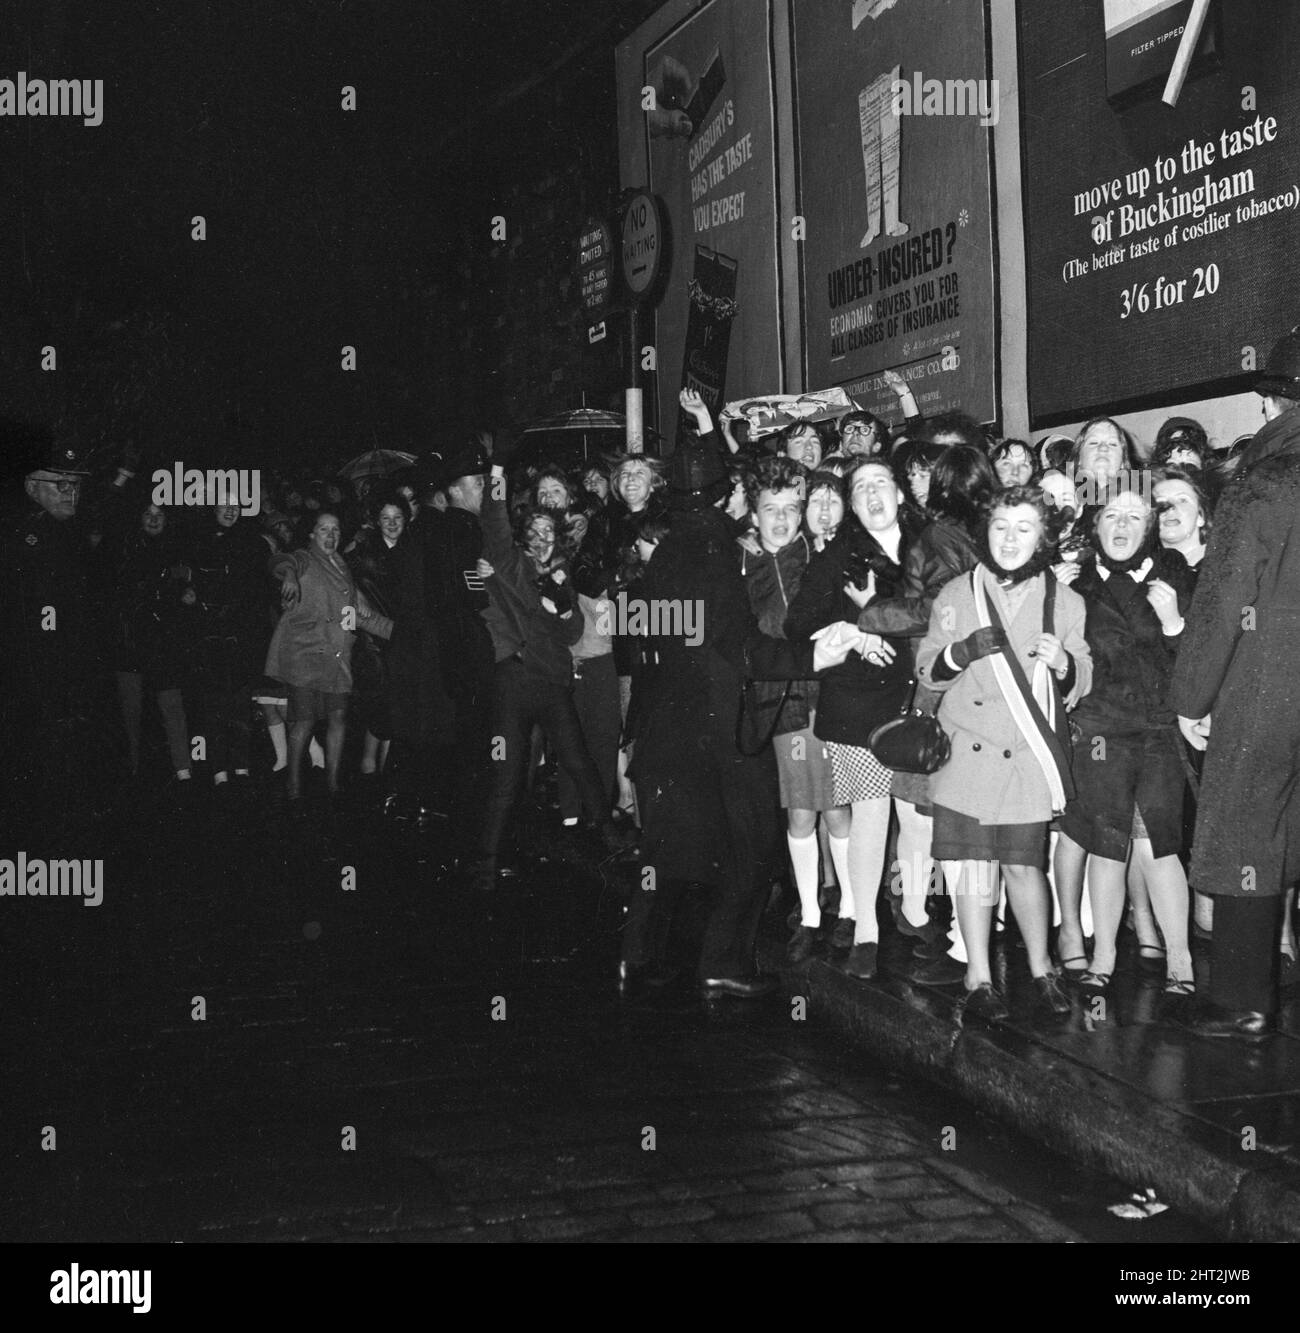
[
  {"x": 580, "y": 419},
  {"x": 376, "y": 463},
  {"x": 573, "y": 436}
]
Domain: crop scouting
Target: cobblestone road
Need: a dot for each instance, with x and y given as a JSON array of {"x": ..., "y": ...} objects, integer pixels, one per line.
[{"x": 236, "y": 1047}]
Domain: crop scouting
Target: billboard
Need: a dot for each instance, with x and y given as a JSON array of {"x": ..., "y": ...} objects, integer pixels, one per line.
[
  {"x": 1159, "y": 239},
  {"x": 894, "y": 109},
  {"x": 711, "y": 158}
]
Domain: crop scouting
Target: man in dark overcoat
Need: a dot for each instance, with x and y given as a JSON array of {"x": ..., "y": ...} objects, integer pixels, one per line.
[
  {"x": 422, "y": 713},
  {"x": 440, "y": 654},
  {"x": 53, "y": 711},
  {"x": 1236, "y": 685},
  {"x": 709, "y": 813}
]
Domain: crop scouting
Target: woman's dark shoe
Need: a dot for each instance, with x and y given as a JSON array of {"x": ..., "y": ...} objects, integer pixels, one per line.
[
  {"x": 1177, "y": 1000},
  {"x": 842, "y": 935},
  {"x": 861, "y": 962},
  {"x": 931, "y": 950},
  {"x": 1096, "y": 982},
  {"x": 1151, "y": 959},
  {"x": 943, "y": 971},
  {"x": 983, "y": 1002},
  {"x": 1288, "y": 972},
  {"x": 1070, "y": 973},
  {"x": 1049, "y": 992},
  {"x": 926, "y": 933},
  {"x": 802, "y": 944}
]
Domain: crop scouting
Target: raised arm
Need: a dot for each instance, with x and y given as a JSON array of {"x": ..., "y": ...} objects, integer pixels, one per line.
[{"x": 494, "y": 518}]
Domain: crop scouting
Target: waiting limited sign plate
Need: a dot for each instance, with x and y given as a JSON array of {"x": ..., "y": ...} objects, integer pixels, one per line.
[{"x": 595, "y": 267}]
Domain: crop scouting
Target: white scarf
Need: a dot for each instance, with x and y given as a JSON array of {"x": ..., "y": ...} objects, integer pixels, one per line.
[{"x": 1029, "y": 723}]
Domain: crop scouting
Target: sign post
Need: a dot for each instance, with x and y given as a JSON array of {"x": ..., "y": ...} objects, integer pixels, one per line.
[{"x": 645, "y": 254}]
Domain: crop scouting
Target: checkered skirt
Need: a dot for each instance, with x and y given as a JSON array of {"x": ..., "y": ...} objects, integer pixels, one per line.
[{"x": 859, "y": 775}]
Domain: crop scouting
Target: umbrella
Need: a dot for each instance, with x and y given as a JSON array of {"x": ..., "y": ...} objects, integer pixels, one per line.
[
  {"x": 580, "y": 418},
  {"x": 581, "y": 421},
  {"x": 376, "y": 463}
]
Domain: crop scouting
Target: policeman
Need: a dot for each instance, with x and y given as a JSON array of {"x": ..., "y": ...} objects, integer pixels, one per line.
[
  {"x": 456, "y": 598},
  {"x": 54, "y": 639}
]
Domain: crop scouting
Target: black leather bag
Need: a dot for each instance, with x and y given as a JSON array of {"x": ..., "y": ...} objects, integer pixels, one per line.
[
  {"x": 913, "y": 742},
  {"x": 757, "y": 720}
]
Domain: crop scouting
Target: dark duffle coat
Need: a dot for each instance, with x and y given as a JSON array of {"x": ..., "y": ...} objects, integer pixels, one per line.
[
  {"x": 709, "y": 813},
  {"x": 772, "y": 580},
  {"x": 418, "y": 701},
  {"x": 943, "y": 550},
  {"x": 1127, "y": 710},
  {"x": 1239, "y": 661},
  {"x": 856, "y": 696}
]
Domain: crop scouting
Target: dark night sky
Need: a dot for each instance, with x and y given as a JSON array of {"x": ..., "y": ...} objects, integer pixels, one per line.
[{"x": 324, "y": 227}]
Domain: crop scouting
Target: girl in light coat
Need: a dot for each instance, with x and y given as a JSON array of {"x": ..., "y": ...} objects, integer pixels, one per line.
[{"x": 1007, "y": 673}]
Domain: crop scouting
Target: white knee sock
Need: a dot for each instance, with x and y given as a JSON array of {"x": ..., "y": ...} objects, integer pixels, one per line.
[
  {"x": 803, "y": 856},
  {"x": 840, "y": 858},
  {"x": 317, "y": 753}
]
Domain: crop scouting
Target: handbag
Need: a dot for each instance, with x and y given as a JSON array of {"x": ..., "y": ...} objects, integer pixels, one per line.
[
  {"x": 754, "y": 730},
  {"x": 912, "y": 742}
]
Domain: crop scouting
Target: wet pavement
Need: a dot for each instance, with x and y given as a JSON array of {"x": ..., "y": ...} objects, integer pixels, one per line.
[
  {"x": 277, "y": 1028},
  {"x": 1118, "y": 1085}
]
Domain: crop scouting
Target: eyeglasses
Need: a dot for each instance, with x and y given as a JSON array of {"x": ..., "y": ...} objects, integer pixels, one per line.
[
  {"x": 63, "y": 486},
  {"x": 858, "y": 428}
]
